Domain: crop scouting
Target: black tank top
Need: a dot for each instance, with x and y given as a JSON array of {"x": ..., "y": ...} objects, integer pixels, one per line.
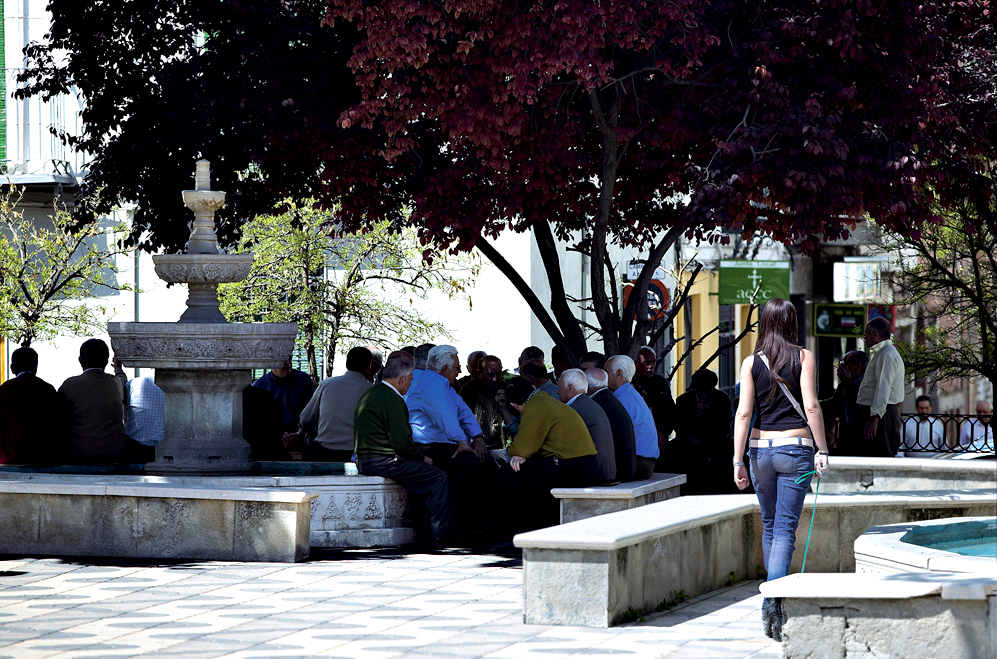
[{"x": 776, "y": 413}]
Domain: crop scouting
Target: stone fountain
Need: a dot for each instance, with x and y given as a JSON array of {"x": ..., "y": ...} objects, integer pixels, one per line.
[{"x": 203, "y": 362}]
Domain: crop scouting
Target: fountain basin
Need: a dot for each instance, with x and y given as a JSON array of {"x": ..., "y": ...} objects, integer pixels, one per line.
[
  {"x": 203, "y": 346},
  {"x": 202, "y": 268},
  {"x": 945, "y": 545}
]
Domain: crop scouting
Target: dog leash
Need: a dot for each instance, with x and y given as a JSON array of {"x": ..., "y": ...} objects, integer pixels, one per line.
[{"x": 812, "y": 513}]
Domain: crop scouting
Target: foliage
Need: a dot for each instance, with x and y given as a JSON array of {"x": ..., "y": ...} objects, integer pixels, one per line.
[
  {"x": 254, "y": 86},
  {"x": 636, "y": 122},
  {"x": 48, "y": 275},
  {"x": 949, "y": 276},
  {"x": 343, "y": 289},
  {"x": 594, "y": 123}
]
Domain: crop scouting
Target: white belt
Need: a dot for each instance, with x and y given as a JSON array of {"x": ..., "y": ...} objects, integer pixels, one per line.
[{"x": 783, "y": 441}]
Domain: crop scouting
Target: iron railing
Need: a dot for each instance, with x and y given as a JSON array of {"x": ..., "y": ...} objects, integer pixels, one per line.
[{"x": 917, "y": 437}]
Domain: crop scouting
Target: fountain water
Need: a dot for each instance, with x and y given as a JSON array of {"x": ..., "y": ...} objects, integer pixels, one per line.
[{"x": 203, "y": 362}]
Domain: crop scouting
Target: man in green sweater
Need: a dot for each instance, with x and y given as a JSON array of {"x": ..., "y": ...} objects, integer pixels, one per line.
[
  {"x": 384, "y": 446},
  {"x": 553, "y": 448}
]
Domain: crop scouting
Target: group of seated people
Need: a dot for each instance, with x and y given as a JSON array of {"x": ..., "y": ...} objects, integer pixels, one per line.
[{"x": 484, "y": 451}]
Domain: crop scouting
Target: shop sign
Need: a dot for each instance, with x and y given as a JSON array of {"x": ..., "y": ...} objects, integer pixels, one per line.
[
  {"x": 738, "y": 280},
  {"x": 847, "y": 320}
]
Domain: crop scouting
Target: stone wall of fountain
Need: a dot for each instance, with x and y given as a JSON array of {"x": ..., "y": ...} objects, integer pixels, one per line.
[{"x": 203, "y": 362}]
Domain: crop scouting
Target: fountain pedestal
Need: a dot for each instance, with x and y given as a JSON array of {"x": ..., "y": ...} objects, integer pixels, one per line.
[{"x": 203, "y": 362}]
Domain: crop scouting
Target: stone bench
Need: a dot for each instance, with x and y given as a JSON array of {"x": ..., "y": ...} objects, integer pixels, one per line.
[
  {"x": 592, "y": 571},
  {"x": 151, "y": 520},
  {"x": 581, "y": 502},
  {"x": 350, "y": 510},
  {"x": 910, "y": 615}
]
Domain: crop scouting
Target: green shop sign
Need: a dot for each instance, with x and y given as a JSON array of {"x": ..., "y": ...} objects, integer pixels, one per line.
[
  {"x": 847, "y": 320},
  {"x": 738, "y": 280}
]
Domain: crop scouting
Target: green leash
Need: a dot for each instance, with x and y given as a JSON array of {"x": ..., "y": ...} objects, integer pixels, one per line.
[{"x": 812, "y": 513}]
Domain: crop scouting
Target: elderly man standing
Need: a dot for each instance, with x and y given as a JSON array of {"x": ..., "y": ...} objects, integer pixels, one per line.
[
  {"x": 450, "y": 435},
  {"x": 328, "y": 417},
  {"x": 619, "y": 421},
  {"x": 292, "y": 390},
  {"x": 657, "y": 393},
  {"x": 881, "y": 391},
  {"x": 621, "y": 370},
  {"x": 572, "y": 388},
  {"x": 384, "y": 446},
  {"x": 552, "y": 449}
]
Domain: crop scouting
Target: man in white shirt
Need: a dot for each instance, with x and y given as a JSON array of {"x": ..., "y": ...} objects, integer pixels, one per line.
[
  {"x": 923, "y": 434},
  {"x": 882, "y": 390},
  {"x": 978, "y": 434}
]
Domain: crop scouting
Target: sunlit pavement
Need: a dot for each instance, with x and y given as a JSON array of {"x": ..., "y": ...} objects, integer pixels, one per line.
[{"x": 354, "y": 604}]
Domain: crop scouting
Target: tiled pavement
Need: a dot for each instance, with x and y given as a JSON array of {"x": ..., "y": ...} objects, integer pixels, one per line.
[{"x": 354, "y": 604}]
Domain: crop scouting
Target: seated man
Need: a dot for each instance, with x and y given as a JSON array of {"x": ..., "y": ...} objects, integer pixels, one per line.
[
  {"x": 292, "y": 389},
  {"x": 32, "y": 418},
  {"x": 473, "y": 370},
  {"x": 572, "y": 388},
  {"x": 263, "y": 426},
  {"x": 445, "y": 428},
  {"x": 977, "y": 434},
  {"x": 593, "y": 360},
  {"x": 552, "y": 449},
  {"x": 923, "y": 435},
  {"x": 328, "y": 416},
  {"x": 479, "y": 395},
  {"x": 95, "y": 406},
  {"x": 621, "y": 370},
  {"x": 145, "y": 418},
  {"x": 536, "y": 374},
  {"x": 384, "y": 445},
  {"x": 619, "y": 421}
]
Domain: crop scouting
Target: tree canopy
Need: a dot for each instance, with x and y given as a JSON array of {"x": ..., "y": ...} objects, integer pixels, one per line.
[{"x": 626, "y": 122}]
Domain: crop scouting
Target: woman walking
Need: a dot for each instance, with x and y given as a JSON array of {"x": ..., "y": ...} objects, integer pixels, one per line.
[{"x": 779, "y": 382}]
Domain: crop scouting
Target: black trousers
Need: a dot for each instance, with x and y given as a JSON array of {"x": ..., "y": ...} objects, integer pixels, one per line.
[
  {"x": 419, "y": 478},
  {"x": 315, "y": 452},
  {"x": 472, "y": 484},
  {"x": 524, "y": 500}
]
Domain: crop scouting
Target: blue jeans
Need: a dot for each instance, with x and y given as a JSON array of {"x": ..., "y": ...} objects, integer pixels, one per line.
[{"x": 773, "y": 473}]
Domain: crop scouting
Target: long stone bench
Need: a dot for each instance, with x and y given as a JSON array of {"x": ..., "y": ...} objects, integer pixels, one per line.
[
  {"x": 350, "y": 510},
  {"x": 853, "y": 475},
  {"x": 150, "y": 520},
  {"x": 592, "y": 571},
  {"x": 581, "y": 502},
  {"x": 911, "y": 615}
]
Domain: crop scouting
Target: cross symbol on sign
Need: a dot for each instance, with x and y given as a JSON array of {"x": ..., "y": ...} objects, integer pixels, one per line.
[{"x": 755, "y": 278}]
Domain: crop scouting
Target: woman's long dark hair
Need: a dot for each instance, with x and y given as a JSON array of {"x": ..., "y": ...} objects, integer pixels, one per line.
[{"x": 777, "y": 340}]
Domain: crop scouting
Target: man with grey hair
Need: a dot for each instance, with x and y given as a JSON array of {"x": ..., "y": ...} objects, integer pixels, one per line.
[
  {"x": 572, "y": 388},
  {"x": 621, "y": 370},
  {"x": 444, "y": 426},
  {"x": 622, "y": 427},
  {"x": 384, "y": 446}
]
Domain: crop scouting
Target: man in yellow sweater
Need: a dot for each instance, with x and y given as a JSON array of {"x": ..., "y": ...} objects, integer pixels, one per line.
[{"x": 553, "y": 448}]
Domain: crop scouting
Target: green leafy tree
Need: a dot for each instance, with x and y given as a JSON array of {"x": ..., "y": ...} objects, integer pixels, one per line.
[
  {"x": 50, "y": 275},
  {"x": 343, "y": 289},
  {"x": 949, "y": 275}
]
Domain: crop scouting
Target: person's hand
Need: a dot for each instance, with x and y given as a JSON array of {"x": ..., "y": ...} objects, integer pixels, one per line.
[
  {"x": 288, "y": 437},
  {"x": 479, "y": 448},
  {"x": 871, "y": 426},
  {"x": 740, "y": 477},
  {"x": 820, "y": 464},
  {"x": 516, "y": 462},
  {"x": 501, "y": 399},
  {"x": 428, "y": 461},
  {"x": 462, "y": 447},
  {"x": 115, "y": 363},
  {"x": 662, "y": 442}
]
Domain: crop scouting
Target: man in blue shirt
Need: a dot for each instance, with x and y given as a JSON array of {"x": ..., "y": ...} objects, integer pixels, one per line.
[
  {"x": 621, "y": 370},
  {"x": 293, "y": 390},
  {"x": 446, "y": 428}
]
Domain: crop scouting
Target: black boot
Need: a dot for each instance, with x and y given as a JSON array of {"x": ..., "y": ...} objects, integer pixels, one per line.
[
  {"x": 778, "y": 617},
  {"x": 767, "y": 616}
]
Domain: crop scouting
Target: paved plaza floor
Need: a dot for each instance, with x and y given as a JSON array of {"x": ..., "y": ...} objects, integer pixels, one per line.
[{"x": 357, "y": 604}]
